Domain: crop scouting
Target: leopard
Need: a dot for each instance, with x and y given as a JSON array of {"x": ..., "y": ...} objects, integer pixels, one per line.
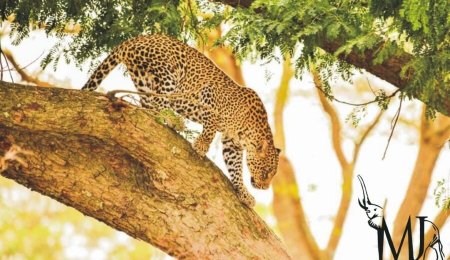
[{"x": 187, "y": 82}]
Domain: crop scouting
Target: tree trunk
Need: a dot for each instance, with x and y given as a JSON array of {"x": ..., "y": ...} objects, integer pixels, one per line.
[
  {"x": 115, "y": 163},
  {"x": 433, "y": 136}
]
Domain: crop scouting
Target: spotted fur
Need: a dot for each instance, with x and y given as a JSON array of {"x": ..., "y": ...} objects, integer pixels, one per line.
[{"x": 163, "y": 65}]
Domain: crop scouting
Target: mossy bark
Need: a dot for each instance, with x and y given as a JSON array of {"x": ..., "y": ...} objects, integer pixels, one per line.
[{"x": 118, "y": 165}]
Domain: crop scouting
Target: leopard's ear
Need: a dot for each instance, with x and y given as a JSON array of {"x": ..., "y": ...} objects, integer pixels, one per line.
[{"x": 278, "y": 150}]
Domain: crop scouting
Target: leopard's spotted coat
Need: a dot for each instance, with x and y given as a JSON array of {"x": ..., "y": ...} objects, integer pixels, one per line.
[{"x": 163, "y": 65}]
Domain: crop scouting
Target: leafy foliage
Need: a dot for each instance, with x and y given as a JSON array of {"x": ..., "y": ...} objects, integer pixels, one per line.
[
  {"x": 104, "y": 24},
  {"x": 389, "y": 28},
  {"x": 442, "y": 195}
]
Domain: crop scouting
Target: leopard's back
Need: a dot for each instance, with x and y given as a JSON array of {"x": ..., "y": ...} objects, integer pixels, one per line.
[{"x": 172, "y": 65}]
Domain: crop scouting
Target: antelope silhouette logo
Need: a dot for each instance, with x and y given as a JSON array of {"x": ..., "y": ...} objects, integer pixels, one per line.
[{"x": 376, "y": 220}]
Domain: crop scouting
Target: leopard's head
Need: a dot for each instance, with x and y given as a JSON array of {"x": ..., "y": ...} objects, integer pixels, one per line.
[{"x": 262, "y": 161}]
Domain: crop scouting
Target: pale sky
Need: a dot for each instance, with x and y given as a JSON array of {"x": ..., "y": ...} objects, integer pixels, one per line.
[{"x": 309, "y": 149}]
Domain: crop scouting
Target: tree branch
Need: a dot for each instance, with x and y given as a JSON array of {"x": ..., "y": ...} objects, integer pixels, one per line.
[
  {"x": 335, "y": 123},
  {"x": 118, "y": 165},
  {"x": 290, "y": 214},
  {"x": 347, "y": 167}
]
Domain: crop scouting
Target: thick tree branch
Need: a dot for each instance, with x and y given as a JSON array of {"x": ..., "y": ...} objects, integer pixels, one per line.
[{"x": 118, "y": 165}]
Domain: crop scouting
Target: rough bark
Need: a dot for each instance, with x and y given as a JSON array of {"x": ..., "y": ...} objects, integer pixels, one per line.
[
  {"x": 389, "y": 70},
  {"x": 117, "y": 164}
]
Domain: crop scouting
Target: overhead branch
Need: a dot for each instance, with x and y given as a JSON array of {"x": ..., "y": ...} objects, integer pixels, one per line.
[
  {"x": 117, "y": 164},
  {"x": 389, "y": 70}
]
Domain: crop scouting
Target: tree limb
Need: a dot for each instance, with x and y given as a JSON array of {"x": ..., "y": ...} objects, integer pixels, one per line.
[
  {"x": 334, "y": 119},
  {"x": 118, "y": 165},
  {"x": 364, "y": 135}
]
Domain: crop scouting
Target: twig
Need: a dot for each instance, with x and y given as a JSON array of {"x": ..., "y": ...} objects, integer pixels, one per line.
[
  {"x": 393, "y": 125},
  {"x": 370, "y": 86},
  {"x": 357, "y": 104},
  {"x": 111, "y": 94},
  {"x": 25, "y": 77},
  {"x": 7, "y": 65},
  {"x": 1, "y": 67},
  {"x": 24, "y": 67}
]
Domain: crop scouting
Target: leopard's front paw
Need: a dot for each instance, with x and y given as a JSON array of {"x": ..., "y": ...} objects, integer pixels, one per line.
[
  {"x": 200, "y": 148},
  {"x": 247, "y": 199}
]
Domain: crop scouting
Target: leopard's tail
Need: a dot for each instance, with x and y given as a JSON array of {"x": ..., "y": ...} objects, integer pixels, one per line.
[{"x": 102, "y": 71}]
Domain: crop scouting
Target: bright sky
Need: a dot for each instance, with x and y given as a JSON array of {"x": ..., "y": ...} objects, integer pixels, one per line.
[{"x": 309, "y": 149}]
